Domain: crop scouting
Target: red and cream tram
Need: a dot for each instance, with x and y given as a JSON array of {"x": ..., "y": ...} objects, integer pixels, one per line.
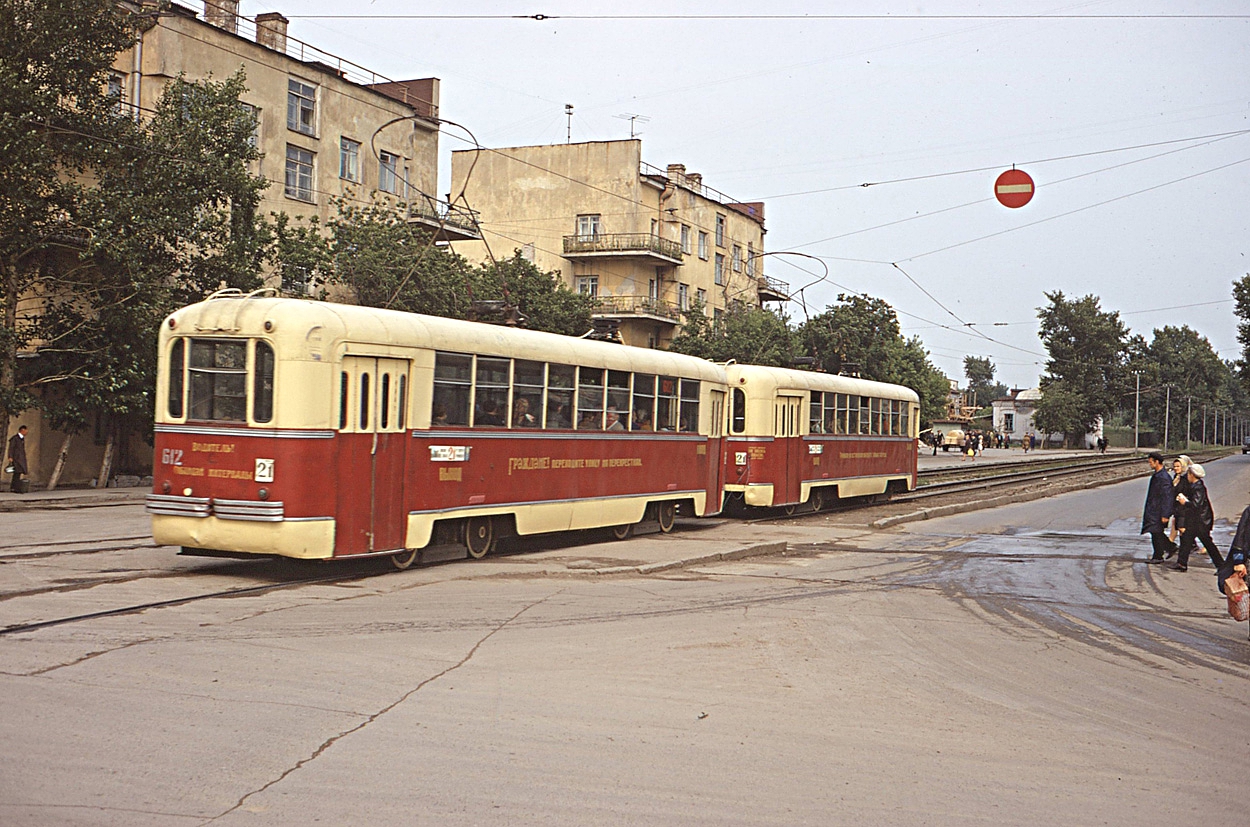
[
  {"x": 318, "y": 430},
  {"x": 798, "y": 437}
]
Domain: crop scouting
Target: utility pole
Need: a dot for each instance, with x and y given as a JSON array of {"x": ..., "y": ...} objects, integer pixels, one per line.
[
  {"x": 568, "y": 111},
  {"x": 1204, "y": 425},
  {"x": 1167, "y": 415},
  {"x": 1137, "y": 414},
  {"x": 1189, "y": 412}
]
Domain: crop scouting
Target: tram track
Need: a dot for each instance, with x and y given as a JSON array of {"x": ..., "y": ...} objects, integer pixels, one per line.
[{"x": 243, "y": 591}]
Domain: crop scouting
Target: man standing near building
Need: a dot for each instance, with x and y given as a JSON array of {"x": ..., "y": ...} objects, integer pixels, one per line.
[
  {"x": 17, "y": 456},
  {"x": 1158, "y": 510}
]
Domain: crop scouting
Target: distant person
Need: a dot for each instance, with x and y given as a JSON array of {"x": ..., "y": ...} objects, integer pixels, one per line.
[
  {"x": 937, "y": 441},
  {"x": 1180, "y": 485},
  {"x": 1102, "y": 445},
  {"x": 521, "y": 416},
  {"x": 1235, "y": 563},
  {"x": 1199, "y": 519},
  {"x": 642, "y": 420},
  {"x": 17, "y": 456},
  {"x": 1160, "y": 502}
]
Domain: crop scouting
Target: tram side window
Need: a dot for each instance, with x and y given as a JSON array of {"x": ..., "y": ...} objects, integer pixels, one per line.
[
  {"x": 905, "y": 419},
  {"x": 177, "y": 364},
  {"x": 865, "y": 415},
  {"x": 364, "y": 423},
  {"x": 815, "y": 415},
  {"x": 262, "y": 383},
  {"x": 527, "y": 394},
  {"x": 875, "y": 423},
  {"x": 402, "y": 416},
  {"x": 343, "y": 387},
  {"x": 738, "y": 417},
  {"x": 666, "y": 410},
  {"x": 689, "y": 420},
  {"x": 453, "y": 378},
  {"x": 560, "y": 381},
  {"x": 618, "y": 401},
  {"x": 384, "y": 402},
  {"x": 896, "y": 411},
  {"x": 831, "y": 412},
  {"x": 644, "y": 402},
  {"x": 848, "y": 414},
  {"x": 490, "y": 404},
  {"x": 218, "y": 380},
  {"x": 590, "y": 399}
]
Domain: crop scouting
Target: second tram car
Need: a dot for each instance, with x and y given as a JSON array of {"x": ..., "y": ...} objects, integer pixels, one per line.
[
  {"x": 319, "y": 430},
  {"x": 799, "y": 437}
]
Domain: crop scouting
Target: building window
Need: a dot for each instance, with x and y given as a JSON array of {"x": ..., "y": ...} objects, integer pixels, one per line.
[
  {"x": 653, "y": 289},
  {"x": 700, "y": 295},
  {"x": 685, "y": 239},
  {"x": 253, "y": 113},
  {"x": 1009, "y": 423},
  {"x": 654, "y": 226},
  {"x": 588, "y": 227},
  {"x": 389, "y": 179},
  {"x": 720, "y": 230},
  {"x": 588, "y": 286},
  {"x": 718, "y": 317},
  {"x": 750, "y": 260},
  {"x": 737, "y": 259},
  {"x": 683, "y": 296},
  {"x": 299, "y": 173},
  {"x": 703, "y": 245},
  {"x": 349, "y": 160},
  {"x": 720, "y": 269},
  {"x": 114, "y": 90},
  {"x": 301, "y": 106}
]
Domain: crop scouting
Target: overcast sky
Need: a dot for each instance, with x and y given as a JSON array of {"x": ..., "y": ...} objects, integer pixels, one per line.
[{"x": 1120, "y": 111}]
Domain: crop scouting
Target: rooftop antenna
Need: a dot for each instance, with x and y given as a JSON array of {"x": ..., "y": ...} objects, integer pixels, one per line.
[
  {"x": 629, "y": 116},
  {"x": 568, "y": 110}
]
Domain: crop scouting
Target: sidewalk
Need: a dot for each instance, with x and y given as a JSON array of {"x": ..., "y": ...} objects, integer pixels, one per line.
[{"x": 70, "y": 498}]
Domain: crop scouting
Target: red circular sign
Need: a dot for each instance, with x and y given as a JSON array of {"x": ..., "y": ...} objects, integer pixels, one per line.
[{"x": 1013, "y": 188}]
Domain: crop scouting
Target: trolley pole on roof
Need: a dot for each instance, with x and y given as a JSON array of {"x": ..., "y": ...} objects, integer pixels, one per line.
[{"x": 1189, "y": 412}]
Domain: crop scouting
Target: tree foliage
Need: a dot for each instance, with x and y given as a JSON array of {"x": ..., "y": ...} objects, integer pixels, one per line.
[
  {"x": 743, "y": 334},
  {"x": 1086, "y": 368},
  {"x": 56, "y": 123},
  {"x": 979, "y": 372}
]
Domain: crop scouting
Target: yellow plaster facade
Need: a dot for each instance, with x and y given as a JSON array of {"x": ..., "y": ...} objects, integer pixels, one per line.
[{"x": 647, "y": 242}]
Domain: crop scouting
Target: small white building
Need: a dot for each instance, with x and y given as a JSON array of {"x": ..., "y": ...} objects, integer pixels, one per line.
[{"x": 1013, "y": 416}]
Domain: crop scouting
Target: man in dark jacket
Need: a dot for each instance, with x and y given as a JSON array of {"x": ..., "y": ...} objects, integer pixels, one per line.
[
  {"x": 1199, "y": 520},
  {"x": 1158, "y": 510},
  {"x": 17, "y": 456}
]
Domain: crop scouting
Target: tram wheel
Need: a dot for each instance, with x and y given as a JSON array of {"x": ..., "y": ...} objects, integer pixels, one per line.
[
  {"x": 817, "y": 500},
  {"x": 789, "y": 510},
  {"x": 404, "y": 559},
  {"x": 479, "y": 536},
  {"x": 623, "y": 532},
  {"x": 666, "y": 514}
]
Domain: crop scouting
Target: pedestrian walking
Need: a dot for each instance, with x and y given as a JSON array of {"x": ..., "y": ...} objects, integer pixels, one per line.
[
  {"x": 1235, "y": 563},
  {"x": 1160, "y": 502},
  {"x": 17, "y": 459},
  {"x": 1180, "y": 485},
  {"x": 1199, "y": 519}
]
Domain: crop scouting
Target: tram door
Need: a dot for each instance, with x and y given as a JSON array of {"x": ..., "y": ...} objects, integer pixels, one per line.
[
  {"x": 787, "y": 413},
  {"x": 373, "y": 412}
]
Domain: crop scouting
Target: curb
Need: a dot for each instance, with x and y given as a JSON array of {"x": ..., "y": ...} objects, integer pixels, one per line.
[{"x": 93, "y": 500}]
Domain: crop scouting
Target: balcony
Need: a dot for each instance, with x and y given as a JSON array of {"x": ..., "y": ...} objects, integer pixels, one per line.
[
  {"x": 772, "y": 290},
  {"x": 636, "y": 307},
  {"x": 622, "y": 245},
  {"x": 448, "y": 222}
]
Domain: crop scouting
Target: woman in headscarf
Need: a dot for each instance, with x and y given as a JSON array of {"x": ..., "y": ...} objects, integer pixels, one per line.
[
  {"x": 1199, "y": 519},
  {"x": 1180, "y": 485}
]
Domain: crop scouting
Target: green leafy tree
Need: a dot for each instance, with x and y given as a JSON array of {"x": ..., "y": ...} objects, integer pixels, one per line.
[
  {"x": 1179, "y": 363},
  {"x": 918, "y": 373},
  {"x": 979, "y": 372},
  {"x": 56, "y": 123},
  {"x": 546, "y": 304},
  {"x": 861, "y": 331},
  {"x": 1086, "y": 367},
  {"x": 744, "y": 334},
  {"x": 170, "y": 218}
]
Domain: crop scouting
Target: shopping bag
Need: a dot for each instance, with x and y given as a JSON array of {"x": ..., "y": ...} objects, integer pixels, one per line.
[{"x": 1238, "y": 595}]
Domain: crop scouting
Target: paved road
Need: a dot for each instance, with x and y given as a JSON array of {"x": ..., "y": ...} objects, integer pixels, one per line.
[{"x": 1015, "y": 666}]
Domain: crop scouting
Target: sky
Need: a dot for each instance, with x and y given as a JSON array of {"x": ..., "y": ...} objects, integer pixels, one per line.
[{"x": 874, "y": 133}]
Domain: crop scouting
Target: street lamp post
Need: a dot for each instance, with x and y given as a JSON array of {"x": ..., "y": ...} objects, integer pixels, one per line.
[
  {"x": 1137, "y": 415},
  {"x": 1167, "y": 415}
]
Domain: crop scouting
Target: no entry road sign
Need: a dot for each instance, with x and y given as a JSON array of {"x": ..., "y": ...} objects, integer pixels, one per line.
[{"x": 1013, "y": 188}]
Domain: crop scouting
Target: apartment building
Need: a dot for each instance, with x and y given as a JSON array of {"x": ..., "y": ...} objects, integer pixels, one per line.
[
  {"x": 327, "y": 127},
  {"x": 647, "y": 243}
]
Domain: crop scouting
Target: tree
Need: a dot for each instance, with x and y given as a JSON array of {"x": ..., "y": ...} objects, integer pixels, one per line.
[
  {"x": 56, "y": 123},
  {"x": 861, "y": 331},
  {"x": 744, "y": 334},
  {"x": 1182, "y": 359},
  {"x": 1241, "y": 298},
  {"x": 918, "y": 373},
  {"x": 169, "y": 218},
  {"x": 980, "y": 374},
  {"x": 546, "y": 304},
  {"x": 1086, "y": 364}
]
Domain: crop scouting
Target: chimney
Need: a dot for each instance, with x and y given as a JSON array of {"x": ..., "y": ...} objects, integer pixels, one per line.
[
  {"x": 224, "y": 14},
  {"x": 271, "y": 31},
  {"x": 677, "y": 172},
  {"x": 694, "y": 180}
]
